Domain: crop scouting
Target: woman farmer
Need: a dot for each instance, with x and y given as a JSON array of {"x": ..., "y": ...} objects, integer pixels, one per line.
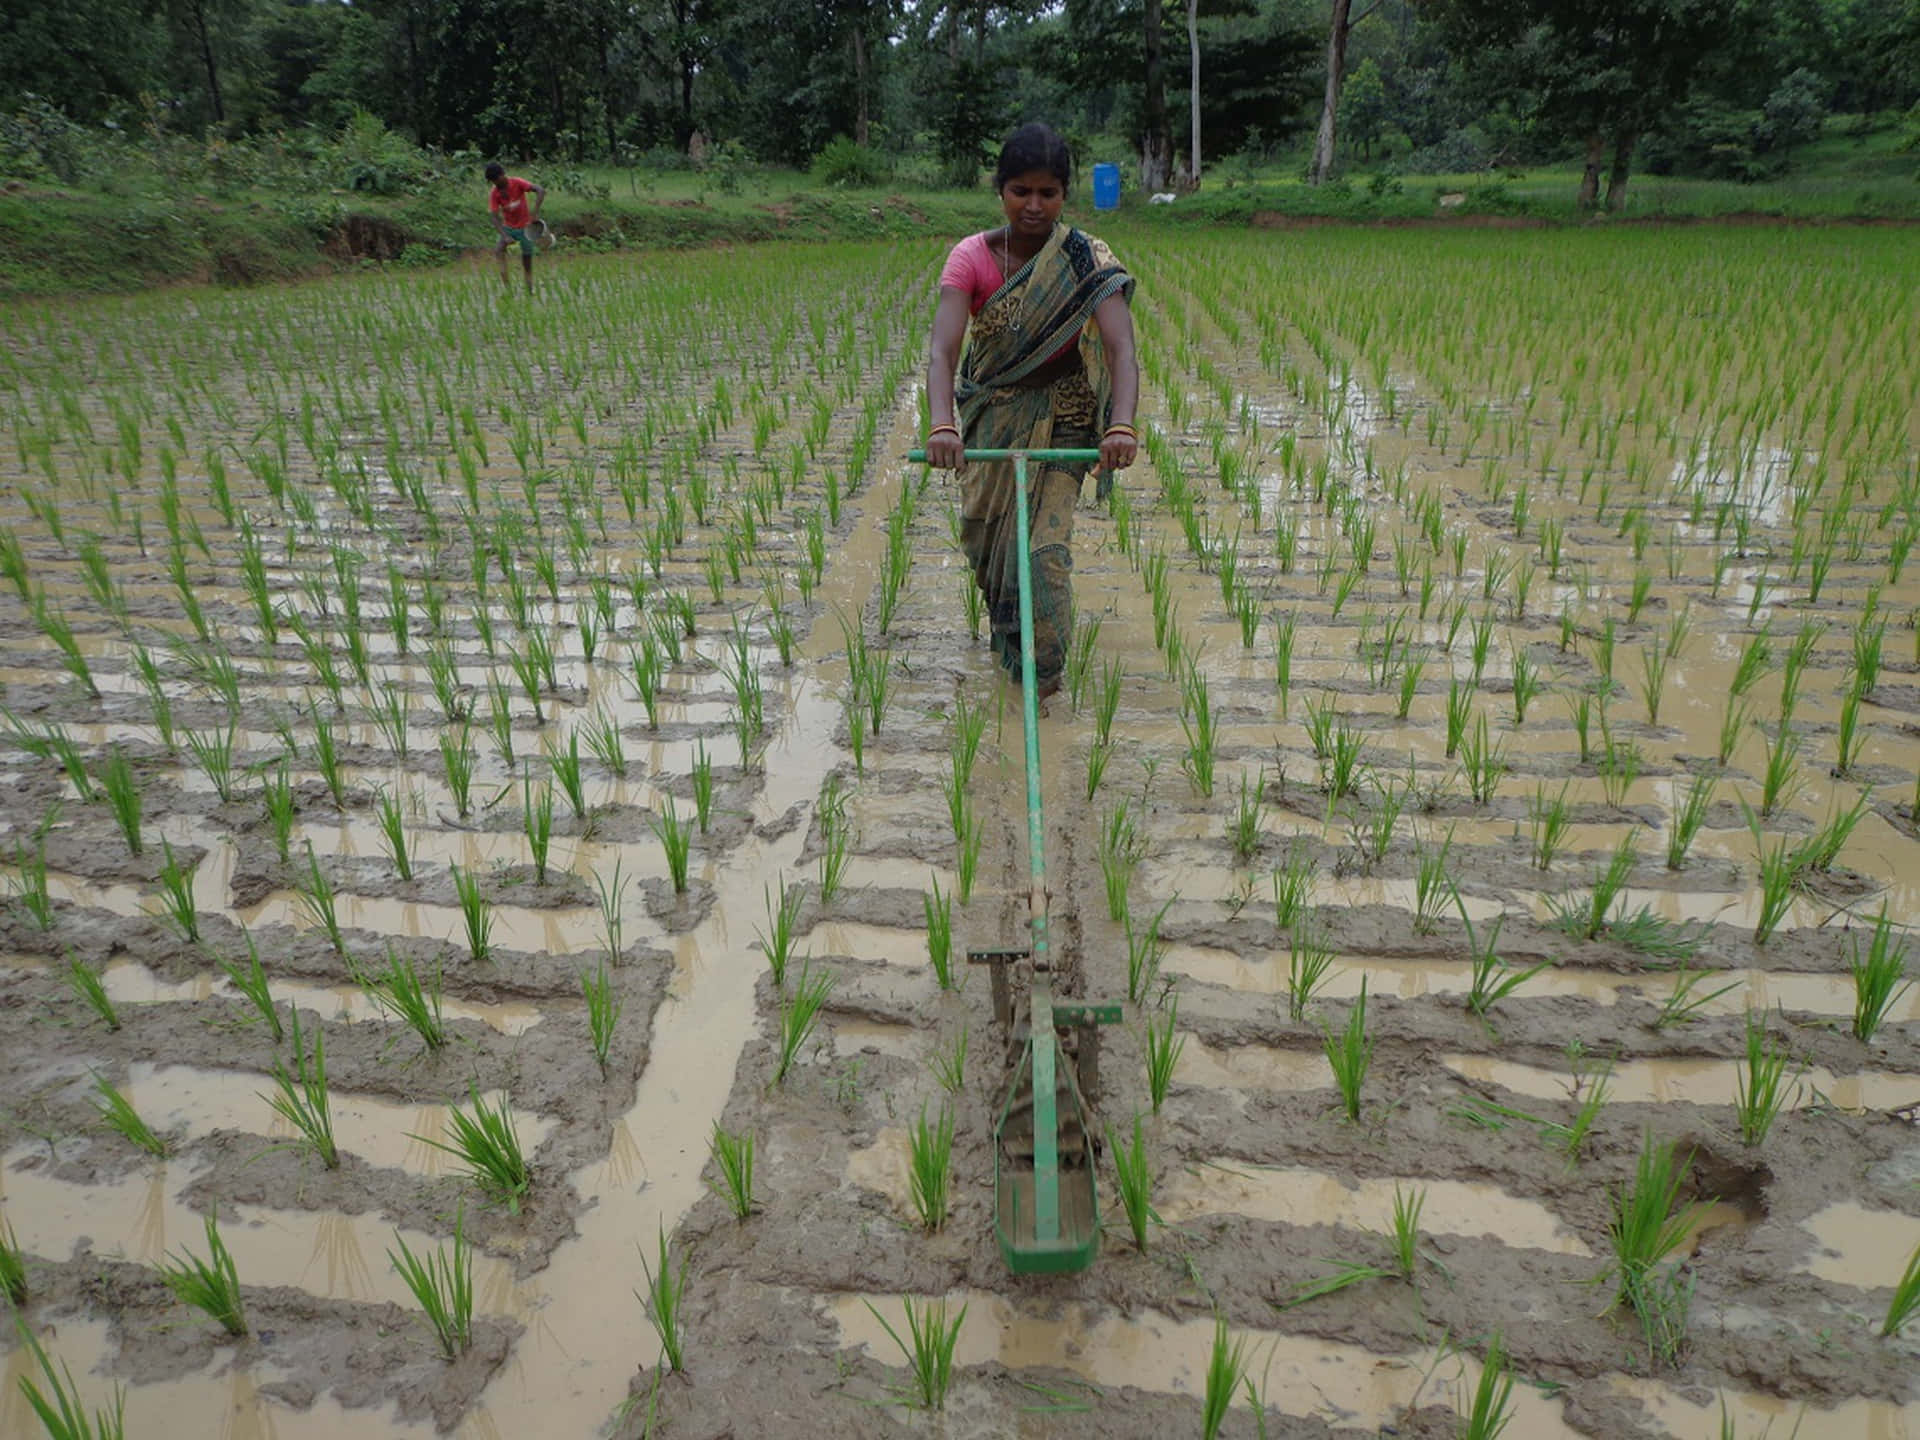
[{"x": 1049, "y": 365}]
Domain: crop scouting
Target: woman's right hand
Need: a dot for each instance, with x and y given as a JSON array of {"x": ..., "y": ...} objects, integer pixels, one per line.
[{"x": 945, "y": 450}]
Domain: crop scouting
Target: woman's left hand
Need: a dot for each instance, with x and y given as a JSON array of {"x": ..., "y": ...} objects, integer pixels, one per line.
[{"x": 1117, "y": 450}]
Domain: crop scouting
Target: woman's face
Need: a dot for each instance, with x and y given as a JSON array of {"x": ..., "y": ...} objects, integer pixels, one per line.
[{"x": 1032, "y": 202}]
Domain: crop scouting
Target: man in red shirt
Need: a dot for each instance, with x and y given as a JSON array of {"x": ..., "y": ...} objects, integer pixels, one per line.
[{"x": 507, "y": 202}]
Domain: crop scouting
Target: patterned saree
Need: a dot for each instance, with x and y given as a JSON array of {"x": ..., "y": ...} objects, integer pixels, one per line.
[{"x": 1015, "y": 392}]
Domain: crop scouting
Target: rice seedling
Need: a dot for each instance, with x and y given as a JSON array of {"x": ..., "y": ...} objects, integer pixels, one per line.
[
  {"x": 836, "y": 842},
  {"x": 1144, "y": 952},
  {"x": 783, "y": 919},
  {"x": 1343, "y": 769},
  {"x": 1293, "y": 887},
  {"x": 1688, "y": 820},
  {"x": 1618, "y": 765},
  {"x": 1686, "y": 1000},
  {"x": 176, "y": 895},
  {"x": 326, "y": 759},
  {"x": 1733, "y": 724},
  {"x": 536, "y": 822},
  {"x": 487, "y": 1142},
  {"x": 1588, "y": 919},
  {"x": 212, "y": 1285},
  {"x": 93, "y": 991},
  {"x": 1781, "y": 773},
  {"x": 603, "y": 1012},
  {"x": 457, "y": 760},
  {"x": 1162, "y": 1047},
  {"x": 1646, "y": 1228},
  {"x": 676, "y": 839},
  {"x": 302, "y": 1098},
  {"x": 1243, "y": 828},
  {"x": 664, "y": 1295},
  {"x": 1487, "y": 1416},
  {"x": 1284, "y": 630},
  {"x": 930, "y": 1355},
  {"x": 1350, "y": 1054},
  {"x": 1592, "y": 1090},
  {"x": 1200, "y": 720},
  {"x": 476, "y": 914},
  {"x": 123, "y": 796},
  {"x": 400, "y": 991},
  {"x": 59, "y": 1406},
  {"x": 1906, "y": 1298},
  {"x": 390, "y": 811},
  {"x": 1879, "y": 976},
  {"x": 1430, "y": 883},
  {"x": 1548, "y": 820},
  {"x": 732, "y": 1156},
  {"x": 53, "y": 624},
  {"x": 250, "y": 980},
  {"x": 1309, "y": 959},
  {"x": 1226, "y": 1367},
  {"x": 1760, "y": 1086},
  {"x": 1406, "y": 1229},
  {"x": 392, "y": 716},
  {"x": 212, "y": 751},
  {"x": 798, "y": 1016},
  {"x": 930, "y": 1165},
  {"x": 938, "y": 909},
  {"x": 1493, "y": 979},
  {"x": 565, "y": 767},
  {"x": 1483, "y": 761},
  {"x": 1133, "y": 1176},
  {"x": 442, "y": 1283},
  {"x": 1346, "y": 1274},
  {"x": 121, "y": 1118},
  {"x": 13, "y": 1267},
  {"x": 1819, "y": 851}
]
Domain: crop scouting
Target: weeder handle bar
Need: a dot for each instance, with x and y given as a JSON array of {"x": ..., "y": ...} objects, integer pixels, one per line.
[{"x": 1088, "y": 456}]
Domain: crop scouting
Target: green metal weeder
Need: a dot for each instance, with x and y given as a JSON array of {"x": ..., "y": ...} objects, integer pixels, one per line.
[{"x": 1047, "y": 1212}]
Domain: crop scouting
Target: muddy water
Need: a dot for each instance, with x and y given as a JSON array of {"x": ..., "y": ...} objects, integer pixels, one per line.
[
  {"x": 1345, "y": 1384},
  {"x": 222, "y": 1402},
  {"x": 342, "y": 1257},
  {"x": 1312, "y": 1197},
  {"x": 1698, "y": 1082},
  {"x": 1856, "y": 1245}
]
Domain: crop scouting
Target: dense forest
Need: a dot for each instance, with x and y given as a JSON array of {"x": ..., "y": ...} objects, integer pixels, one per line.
[{"x": 919, "y": 88}]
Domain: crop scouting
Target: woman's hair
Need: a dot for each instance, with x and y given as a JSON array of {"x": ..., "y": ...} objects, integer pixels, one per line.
[
  {"x": 1034, "y": 147},
  {"x": 495, "y": 170}
]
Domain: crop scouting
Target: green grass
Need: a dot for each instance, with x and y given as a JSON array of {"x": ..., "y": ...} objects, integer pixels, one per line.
[
  {"x": 488, "y": 1143},
  {"x": 13, "y": 1266},
  {"x": 212, "y": 1285},
  {"x": 929, "y": 1355},
  {"x": 443, "y": 1284}
]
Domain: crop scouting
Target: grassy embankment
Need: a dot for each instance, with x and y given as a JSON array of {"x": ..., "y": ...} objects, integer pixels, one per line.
[{"x": 62, "y": 238}]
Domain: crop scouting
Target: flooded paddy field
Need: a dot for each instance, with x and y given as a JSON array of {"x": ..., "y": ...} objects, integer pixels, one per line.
[{"x": 1504, "y": 656}]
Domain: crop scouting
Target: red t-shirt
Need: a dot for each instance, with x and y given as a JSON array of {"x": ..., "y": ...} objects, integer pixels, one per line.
[{"x": 511, "y": 203}]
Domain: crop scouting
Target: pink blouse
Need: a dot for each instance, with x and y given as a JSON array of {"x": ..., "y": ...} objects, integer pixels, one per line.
[{"x": 973, "y": 268}]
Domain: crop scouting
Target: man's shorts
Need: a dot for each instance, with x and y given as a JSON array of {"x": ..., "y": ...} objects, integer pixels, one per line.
[{"x": 520, "y": 233}]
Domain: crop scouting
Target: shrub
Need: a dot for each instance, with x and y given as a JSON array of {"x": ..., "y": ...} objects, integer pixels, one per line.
[{"x": 845, "y": 162}]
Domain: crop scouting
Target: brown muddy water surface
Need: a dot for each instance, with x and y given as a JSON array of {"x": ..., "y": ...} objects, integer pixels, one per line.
[{"x": 480, "y": 565}]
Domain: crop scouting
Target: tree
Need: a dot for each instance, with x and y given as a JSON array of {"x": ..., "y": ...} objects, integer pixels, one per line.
[
  {"x": 1193, "y": 56},
  {"x": 1363, "y": 105},
  {"x": 1601, "y": 72},
  {"x": 1156, "y": 140},
  {"x": 1337, "y": 33}
]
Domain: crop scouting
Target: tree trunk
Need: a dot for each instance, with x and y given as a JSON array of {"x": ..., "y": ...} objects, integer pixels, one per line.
[
  {"x": 1623, "y": 144},
  {"x": 860, "y": 83},
  {"x": 1590, "y": 177},
  {"x": 1156, "y": 146},
  {"x": 1193, "y": 54},
  {"x": 206, "y": 57},
  {"x": 1330, "y": 106}
]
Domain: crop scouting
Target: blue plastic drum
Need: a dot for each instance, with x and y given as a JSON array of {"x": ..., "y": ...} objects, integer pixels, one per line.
[{"x": 1106, "y": 187}]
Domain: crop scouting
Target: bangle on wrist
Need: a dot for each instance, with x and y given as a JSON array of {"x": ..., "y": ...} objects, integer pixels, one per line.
[
  {"x": 1126, "y": 430},
  {"x": 937, "y": 429}
]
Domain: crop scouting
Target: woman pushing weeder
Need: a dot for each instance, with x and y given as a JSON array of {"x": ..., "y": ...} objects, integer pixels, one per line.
[{"x": 1049, "y": 364}]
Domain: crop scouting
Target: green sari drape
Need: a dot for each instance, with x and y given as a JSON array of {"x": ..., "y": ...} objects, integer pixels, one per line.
[{"x": 1044, "y": 306}]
